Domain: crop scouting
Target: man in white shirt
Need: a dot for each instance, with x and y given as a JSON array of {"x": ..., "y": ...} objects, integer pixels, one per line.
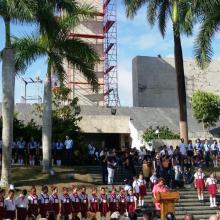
[
  {"x": 182, "y": 147},
  {"x": 69, "y": 150}
]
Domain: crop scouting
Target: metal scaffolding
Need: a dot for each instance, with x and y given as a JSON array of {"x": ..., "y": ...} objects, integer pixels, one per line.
[{"x": 110, "y": 53}]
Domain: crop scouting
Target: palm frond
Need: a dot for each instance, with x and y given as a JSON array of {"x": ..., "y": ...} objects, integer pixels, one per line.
[
  {"x": 132, "y": 6},
  {"x": 203, "y": 50},
  {"x": 152, "y": 12},
  {"x": 163, "y": 16}
]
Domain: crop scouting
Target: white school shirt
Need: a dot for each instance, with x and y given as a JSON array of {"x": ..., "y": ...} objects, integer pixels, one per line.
[
  {"x": 54, "y": 199},
  {"x": 214, "y": 147},
  {"x": 112, "y": 198},
  {"x": 93, "y": 198},
  {"x": 10, "y": 204},
  {"x": 206, "y": 147},
  {"x": 59, "y": 145},
  {"x": 153, "y": 179},
  {"x": 182, "y": 147},
  {"x": 122, "y": 198},
  {"x": 135, "y": 186},
  {"x": 68, "y": 144},
  {"x": 170, "y": 151},
  {"x": 199, "y": 176},
  {"x": 21, "y": 202},
  {"x": 43, "y": 198},
  {"x": 33, "y": 199},
  {"x": 211, "y": 181},
  {"x": 141, "y": 182},
  {"x": 75, "y": 198},
  {"x": 65, "y": 198},
  {"x": 131, "y": 198},
  {"x": 32, "y": 144},
  {"x": 21, "y": 144}
]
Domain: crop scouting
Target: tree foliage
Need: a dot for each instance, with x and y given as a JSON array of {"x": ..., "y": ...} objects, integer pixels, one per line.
[
  {"x": 164, "y": 133},
  {"x": 206, "y": 108}
]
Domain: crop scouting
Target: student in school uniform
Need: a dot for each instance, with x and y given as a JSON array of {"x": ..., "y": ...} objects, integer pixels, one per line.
[
  {"x": 113, "y": 201},
  {"x": 2, "y": 204},
  {"x": 136, "y": 187},
  {"x": 33, "y": 204},
  {"x": 215, "y": 153},
  {"x": 66, "y": 204},
  {"x": 94, "y": 201},
  {"x": 84, "y": 203},
  {"x": 122, "y": 207},
  {"x": 54, "y": 202},
  {"x": 199, "y": 182},
  {"x": 153, "y": 180},
  {"x": 44, "y": 202},
  {"x": 131, "y": 202},
  {"x": 21, "y": 147},
  {"x": 21, "y": 203},
  {"x": 103, "y": 206},
  {"x": 32, "y": 150},
  {"x": 59, "y": 152},
  {"x": 75, "y": 199},
  {"x": 142, "y": 189},
  {"x": 10, "y": 205},
  {"x": 211, "y": 183}
]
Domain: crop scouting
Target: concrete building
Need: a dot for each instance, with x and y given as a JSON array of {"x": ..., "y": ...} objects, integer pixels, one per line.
[{"x": 154, "y": 81}]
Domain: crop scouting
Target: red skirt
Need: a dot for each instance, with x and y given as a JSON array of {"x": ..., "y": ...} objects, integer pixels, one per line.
[
  {"x": 122, "y": 208},
  {"x": 66, "y": 208},
  {"x": 10, "y": 215},
  {"x": 76, "y": 207},
  {"x": 94, "y": 207},
  {"x": 103, "y": 208},
  {"x": 200, "y": 184},
  {"x": 44, "y": 208},
  {"x": 2, "y": 213},
  {"x": 212, "y": 189},
  {"x": 113, "y": 207},
  {"x": 84, "y": 207},
  {"x": 55, "y": 207},
  {"x": 130, "y": 207},
  {"x": 33, "y": 210},
  {"x": 142, "y": 190},
  {"x": 21, "y": 213}
]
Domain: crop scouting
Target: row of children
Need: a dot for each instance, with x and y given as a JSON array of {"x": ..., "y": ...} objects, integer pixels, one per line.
[
  {"x": 201, "y": 183},
  {"x": 68, "y": 204}
]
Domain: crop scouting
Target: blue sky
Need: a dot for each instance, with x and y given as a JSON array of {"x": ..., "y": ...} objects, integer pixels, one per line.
[{"x": 135, "y": 37}]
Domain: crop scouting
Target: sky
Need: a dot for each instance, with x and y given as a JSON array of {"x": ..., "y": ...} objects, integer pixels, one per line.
[{"x": 135, "y": 38}]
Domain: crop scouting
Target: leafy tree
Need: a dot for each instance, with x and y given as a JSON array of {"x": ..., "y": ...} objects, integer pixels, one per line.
[
  {"x": 206, "y": 108},
  {"x": 53, "y": 42},
  {"x": 164, "y": 133},
  {"x": 162, "y": 11}
]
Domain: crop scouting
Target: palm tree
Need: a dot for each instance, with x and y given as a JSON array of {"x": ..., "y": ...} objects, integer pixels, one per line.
[
  {"x": 9, "y": 10},
  {"x": 210, "y": 24},
  {"x": 57, "y": 47},
  {"x": 161, "y": 11}
]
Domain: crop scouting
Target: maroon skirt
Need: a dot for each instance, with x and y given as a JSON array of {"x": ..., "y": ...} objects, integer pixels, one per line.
[
  {"x": 200, "y": 184},
  {"x": 94, "y": 207},
  {"x": 84, "y": 207},
  {"x": 2, "y": 213},
  {"x": 44, "y": 208},
  {"x": 10, "y": 215},
  {"x": 21, "y": 213},
  {"x": 131, "y": 207},
  {"x": 113, "y": 207},
  {"x": 142, "y": 190},
  {"x": 76, "y": 207},
  {"x": 55, "y": 207},
  {"x": 212, "y": 189},
  {"x": 66, "y": 208},
  {"x": 122, "y": 208},
  {"x": 33, "y": 210},
  {"x": 103, "y": 207}
]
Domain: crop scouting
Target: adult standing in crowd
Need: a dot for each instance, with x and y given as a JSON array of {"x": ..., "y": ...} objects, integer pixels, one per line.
[
  {"x": 207, "y": 149},
  {"x": 69, "y": 144},
  {"x": 182, "y": 148},
  {"x": 111, "y": 165},
  {"x": 129, "y": 166},
  {"x": 103, "y": 161}
]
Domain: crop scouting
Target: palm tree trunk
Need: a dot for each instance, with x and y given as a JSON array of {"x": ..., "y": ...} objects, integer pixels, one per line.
[
  {"x": 8, "y": 85},
  {"x": 181, "y": 88},
  {"x": 47, "y": 123}
]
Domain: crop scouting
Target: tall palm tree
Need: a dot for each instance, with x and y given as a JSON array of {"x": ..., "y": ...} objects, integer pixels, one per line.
[
  {"x": 57, "y": 47},
  {"x": 210, "y": 25},
  {"x": 161, "y": 11},
  {"x": 10, "y": 10}
]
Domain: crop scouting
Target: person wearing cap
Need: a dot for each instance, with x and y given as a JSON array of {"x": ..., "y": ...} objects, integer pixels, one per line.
[
  {"x": 159, "y": 187},
  {"x": 21, "y": 203},
  {"x": 10, "y": 205}
]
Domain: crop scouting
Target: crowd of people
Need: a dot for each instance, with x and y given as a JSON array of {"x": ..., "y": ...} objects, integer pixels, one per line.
[{"x": 30, "y": 152}]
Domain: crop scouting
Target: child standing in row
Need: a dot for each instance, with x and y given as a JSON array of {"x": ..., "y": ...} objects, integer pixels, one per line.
[
  {"x": 199, "y": 183},
  {"x": 211, "y": 183}
]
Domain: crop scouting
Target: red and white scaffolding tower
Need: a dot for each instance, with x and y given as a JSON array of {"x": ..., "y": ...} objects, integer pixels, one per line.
[
  {"x": 110, "y": 53},
  {"x": 104, "y": 40}
]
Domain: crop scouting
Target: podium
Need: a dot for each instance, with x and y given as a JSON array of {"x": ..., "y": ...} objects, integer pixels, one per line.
[{"x": 167, "y": 202}]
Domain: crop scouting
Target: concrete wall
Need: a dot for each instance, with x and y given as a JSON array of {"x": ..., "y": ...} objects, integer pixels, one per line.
[{"x": 154, "y": 81}]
